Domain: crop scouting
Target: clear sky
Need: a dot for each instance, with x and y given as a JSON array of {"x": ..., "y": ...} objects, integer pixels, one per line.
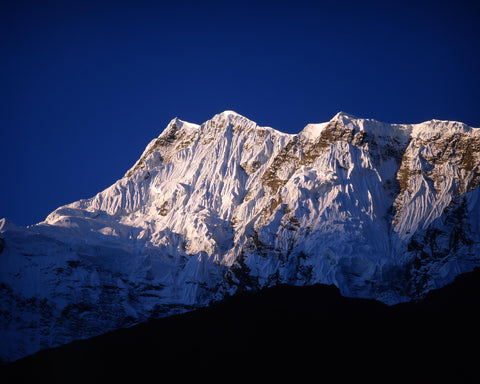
[{"x": 85, "y": 85}]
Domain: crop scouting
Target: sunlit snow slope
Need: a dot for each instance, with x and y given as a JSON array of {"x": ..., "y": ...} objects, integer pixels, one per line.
[{"x": 383, "y": 211}]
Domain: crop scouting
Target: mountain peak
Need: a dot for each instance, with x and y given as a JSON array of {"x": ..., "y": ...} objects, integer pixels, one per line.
[
  {"x": 179, "y": 124},
  {"x": 343, "y": 116},
  {"x": 228, "y": 206},
  {"x": 230, "y": 113}
]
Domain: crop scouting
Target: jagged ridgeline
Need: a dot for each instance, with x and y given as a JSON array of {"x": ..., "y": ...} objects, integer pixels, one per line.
[{"x": 382, "y": 211}]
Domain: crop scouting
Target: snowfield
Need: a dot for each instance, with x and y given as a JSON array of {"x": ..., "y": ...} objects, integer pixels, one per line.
[{"x": 382, "y": 211}]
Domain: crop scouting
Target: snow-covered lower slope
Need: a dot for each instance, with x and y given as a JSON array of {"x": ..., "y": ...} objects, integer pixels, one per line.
[{"x": 384, "y": 211}]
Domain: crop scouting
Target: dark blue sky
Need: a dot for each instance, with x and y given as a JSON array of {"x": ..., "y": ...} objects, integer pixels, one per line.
[{"x": 86, "y": 85}]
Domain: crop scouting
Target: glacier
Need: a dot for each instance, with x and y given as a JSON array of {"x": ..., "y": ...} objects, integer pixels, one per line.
[{"x": 382, "y": 211}]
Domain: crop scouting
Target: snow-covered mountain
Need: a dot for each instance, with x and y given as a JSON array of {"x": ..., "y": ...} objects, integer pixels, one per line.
[{"x": 383, "y": 211}]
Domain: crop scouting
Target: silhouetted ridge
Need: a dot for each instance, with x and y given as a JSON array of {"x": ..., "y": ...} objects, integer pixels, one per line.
[{"x": 285, "y": 332}]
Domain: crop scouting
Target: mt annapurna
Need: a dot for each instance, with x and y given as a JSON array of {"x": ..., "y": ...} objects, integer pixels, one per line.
[{"x": 382, "y": 211}]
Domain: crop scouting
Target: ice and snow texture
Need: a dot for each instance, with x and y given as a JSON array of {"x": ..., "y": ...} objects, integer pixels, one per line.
[{"x": 384, "y": 211}]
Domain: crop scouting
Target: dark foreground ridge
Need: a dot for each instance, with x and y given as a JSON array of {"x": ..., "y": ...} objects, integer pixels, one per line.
[{"x": 285, "y": 332}]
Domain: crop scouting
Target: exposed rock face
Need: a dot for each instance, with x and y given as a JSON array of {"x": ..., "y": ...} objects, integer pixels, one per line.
[{"x": 381, "y": 211}]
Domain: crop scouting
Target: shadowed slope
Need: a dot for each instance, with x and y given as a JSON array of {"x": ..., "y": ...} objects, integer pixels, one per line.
[{"x": 283, "y": 332}]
